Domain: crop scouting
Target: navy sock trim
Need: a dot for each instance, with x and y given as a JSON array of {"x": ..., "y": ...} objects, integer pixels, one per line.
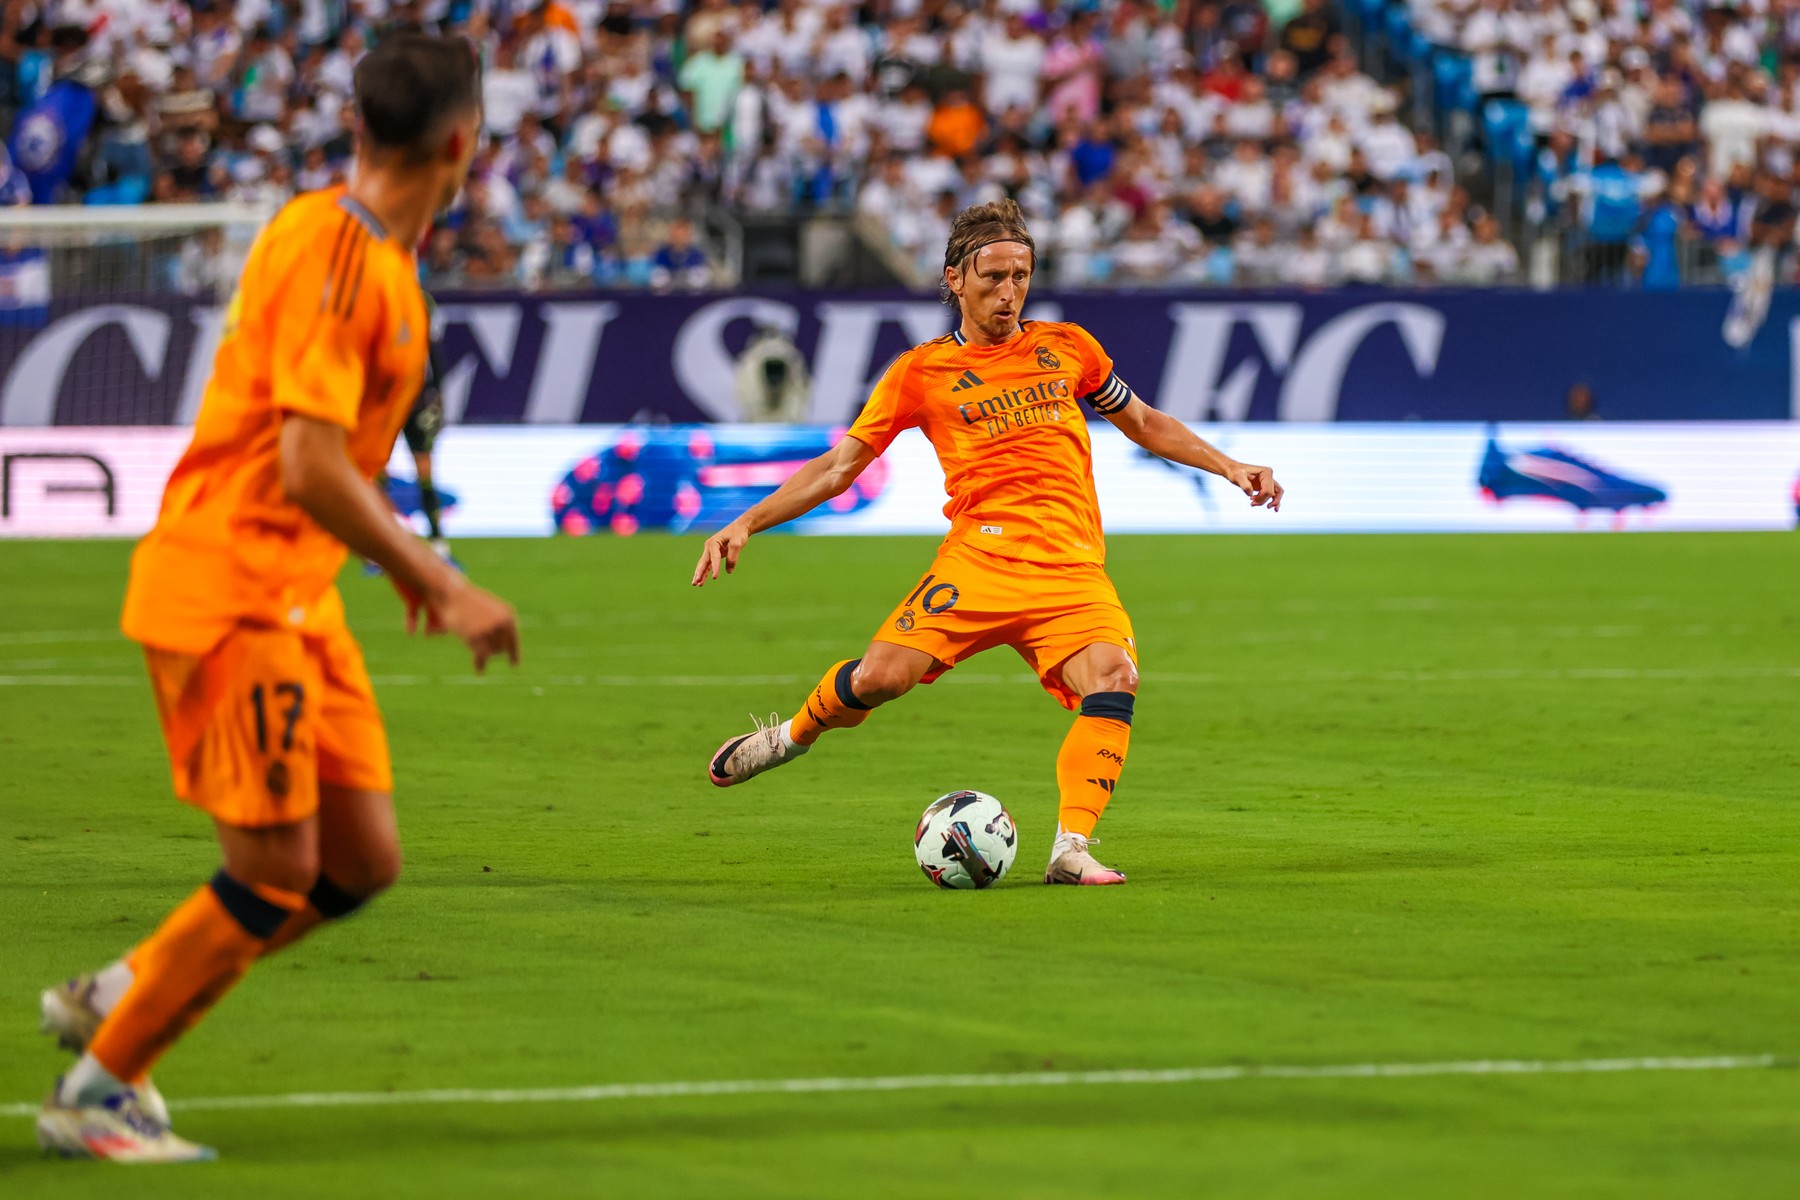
[
  {"x": 1114, "y": 705},
  {"x": 259, "y": 917},
  {"x": 845, "y": 695},
  {"x": 333, "y": 901}
]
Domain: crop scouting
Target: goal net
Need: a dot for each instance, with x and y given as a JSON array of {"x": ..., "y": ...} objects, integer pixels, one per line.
[{"x": 109, "y": 316}]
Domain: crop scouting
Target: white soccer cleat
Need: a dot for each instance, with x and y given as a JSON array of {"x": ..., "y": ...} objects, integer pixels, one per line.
[
  {"x": 67, "y": 1012},
  {"x": 749, "y": 755},
  {"x": 118, "y": 1130},
  {"x": 1070, "y": 862}
]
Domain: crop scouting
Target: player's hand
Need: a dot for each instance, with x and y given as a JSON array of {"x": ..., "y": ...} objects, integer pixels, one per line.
[
  {"x": 418, "y": 612},
  {"x": 1258, "y": 483},
  {"x": 722, "y": 550},
  {"x": 486, "y": 624}
]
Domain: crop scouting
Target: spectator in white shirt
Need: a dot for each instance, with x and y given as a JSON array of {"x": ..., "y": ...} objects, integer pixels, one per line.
[
  {"x": 1731, "y": 125},
  {"x": 337, "y": 71},
  {"x": 888, "y": 196},
  {"x": 1387, "y": 145},
  {"x": 1252, "y": 116},
  {"x": 1369, "y": 258},
  {"x": 904, "y": 121},
  {"x": 1245, "y": 176},
  {"x": 1494, "y": 36},
  {"x": 1155, "y": 249},
  {"x": 1542, "y": 80},
  {"x": 1308, "y": 264},
  {"x": 844, "y": 49},
  {"x": 1341, "y": 225},
  {"x": 1490, "y": 259},
  {"x": 507, "y": 92},
  {"x": 1012, "y": 67}
]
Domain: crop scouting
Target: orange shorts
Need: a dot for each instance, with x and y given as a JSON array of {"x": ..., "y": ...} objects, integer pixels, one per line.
[
  {"x": 255, "y": 725},
  {"x": 970, "y": 601}
]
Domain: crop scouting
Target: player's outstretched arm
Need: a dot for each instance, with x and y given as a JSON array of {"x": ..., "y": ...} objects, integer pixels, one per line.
[
  {"x": 317, "y": 475},
  {"x": 818, "y": 481},
  {"x": 1165, "y": 437}
]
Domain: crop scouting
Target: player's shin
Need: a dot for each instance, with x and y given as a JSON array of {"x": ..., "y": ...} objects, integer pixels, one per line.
[
  {"x": 832, "y": 705},
  {"x": 1092, "y": 757},
  {"x": 196, "y": 956}
]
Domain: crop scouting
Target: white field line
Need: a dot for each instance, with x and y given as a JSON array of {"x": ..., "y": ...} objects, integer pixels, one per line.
[
  {"x": 933, "y": 1083},
  {"x": 503, "y": 676},
  {"x": 51, "y": 637}
]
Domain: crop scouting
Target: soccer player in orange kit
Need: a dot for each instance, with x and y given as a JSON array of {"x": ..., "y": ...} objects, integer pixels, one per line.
[
  {"x": 264, "y": 701},
  {"x": 1024, "y": 565}
]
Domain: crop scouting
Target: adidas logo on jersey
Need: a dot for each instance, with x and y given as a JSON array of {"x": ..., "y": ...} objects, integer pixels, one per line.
[{"x": 969, "y": 380}]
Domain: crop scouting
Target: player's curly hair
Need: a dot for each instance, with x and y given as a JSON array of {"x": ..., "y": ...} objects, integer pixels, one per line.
[{"x": 982, "y": 225}]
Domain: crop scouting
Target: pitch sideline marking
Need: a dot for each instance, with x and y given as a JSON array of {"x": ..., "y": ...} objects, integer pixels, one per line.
[
  {"x": 909, "y": 1083},
  {"x": 1498, "y": 674}
]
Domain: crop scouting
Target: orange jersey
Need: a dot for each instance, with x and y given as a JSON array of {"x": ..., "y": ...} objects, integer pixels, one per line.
[
  {"x": 328, "y": 321},
  {"x": 1010, "y": 435}
]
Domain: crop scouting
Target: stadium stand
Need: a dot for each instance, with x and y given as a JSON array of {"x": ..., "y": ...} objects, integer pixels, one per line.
[{"x": 1177, "y": 143}]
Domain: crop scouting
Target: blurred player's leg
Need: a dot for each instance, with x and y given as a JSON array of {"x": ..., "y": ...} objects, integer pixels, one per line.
[
  {"x": 72, "y": 1011},
  {"x": 1091, "y": 760},
  {"x": 179, "y": 973},
  {"x": 842, "y": 699}
]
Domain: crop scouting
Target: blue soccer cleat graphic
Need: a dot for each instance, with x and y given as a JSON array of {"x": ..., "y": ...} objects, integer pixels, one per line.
[
  {"x": 403, "y": 494},
  {"x": 677, "y": 477},
  {"x": 1550, "y": 474}
]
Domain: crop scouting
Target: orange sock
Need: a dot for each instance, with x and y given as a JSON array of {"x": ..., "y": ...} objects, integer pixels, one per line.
[
  {"x": 832, "y": 705},
  {"x": 195, "y": 956},
  {"x": 292, "y": 930},
  {"x": 1092, "y": 756}
]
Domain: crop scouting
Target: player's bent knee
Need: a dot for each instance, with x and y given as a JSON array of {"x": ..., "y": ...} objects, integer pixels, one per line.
[
  {"x": 333, "y": 901},
  {"x": 374, "y": 871},
  {"x": 878, "y": 682}
]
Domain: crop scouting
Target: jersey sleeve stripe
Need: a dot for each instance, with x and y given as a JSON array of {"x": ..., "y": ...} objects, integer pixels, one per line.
[
  {"x": 337, "y": 253},
  {"x": 347, "y": 292},
  {"x": 1109, "y": 397}
]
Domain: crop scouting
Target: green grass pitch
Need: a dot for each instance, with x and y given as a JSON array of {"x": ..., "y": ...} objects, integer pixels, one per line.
[{"x": 1406, "y": 799}]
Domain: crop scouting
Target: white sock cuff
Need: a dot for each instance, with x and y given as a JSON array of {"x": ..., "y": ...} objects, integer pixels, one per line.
[
  {"x": 110, "y": 985},
  {"x": 88, "y": 1083}
]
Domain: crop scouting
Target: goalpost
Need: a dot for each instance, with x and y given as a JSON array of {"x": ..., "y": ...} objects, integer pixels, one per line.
[{"x": 93, "y": 300}]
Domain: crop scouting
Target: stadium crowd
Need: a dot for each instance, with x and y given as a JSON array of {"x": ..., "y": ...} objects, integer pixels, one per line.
[
  {"x": 1177, "y": 142},
  {"x": 1666, "y": 131}
]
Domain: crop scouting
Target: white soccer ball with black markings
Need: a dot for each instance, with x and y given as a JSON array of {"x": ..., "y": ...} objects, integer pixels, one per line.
[{"x": 966, "y": 840}]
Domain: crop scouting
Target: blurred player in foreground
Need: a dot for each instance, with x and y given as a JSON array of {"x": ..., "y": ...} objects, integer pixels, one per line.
[
  {"x": 1024, "y": 565},
  {"x": 266, "y": 707}
]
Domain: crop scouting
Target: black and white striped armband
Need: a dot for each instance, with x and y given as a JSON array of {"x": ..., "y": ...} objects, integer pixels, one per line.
[{"x": 1110, "y": 397}]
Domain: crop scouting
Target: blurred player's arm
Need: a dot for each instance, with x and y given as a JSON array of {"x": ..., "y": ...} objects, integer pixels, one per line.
[
  {"x": 1165, "y": 437},
  {"x": 318, "y": 475},
  {"x": 826, "y": 476}
]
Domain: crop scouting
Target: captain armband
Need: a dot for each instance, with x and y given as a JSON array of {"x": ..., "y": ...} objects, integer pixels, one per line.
[{"x": 1110, "y": 397}]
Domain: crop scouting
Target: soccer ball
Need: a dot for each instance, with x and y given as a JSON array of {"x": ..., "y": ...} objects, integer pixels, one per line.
[{"x": 966, "y": 840}]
